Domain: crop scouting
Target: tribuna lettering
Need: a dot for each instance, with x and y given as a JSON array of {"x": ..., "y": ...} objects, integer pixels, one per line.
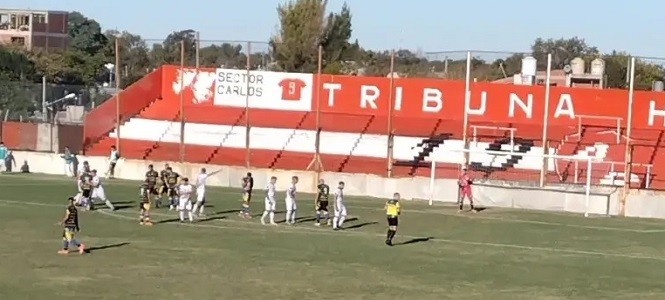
[{"x": 434, "y": 101}]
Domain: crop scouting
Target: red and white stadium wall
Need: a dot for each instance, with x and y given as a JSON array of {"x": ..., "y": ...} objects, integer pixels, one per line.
[
  {"x": 218, "y": 97},
  {"x": 41, "y": 137},
  {"x": 420, "y": 107}
]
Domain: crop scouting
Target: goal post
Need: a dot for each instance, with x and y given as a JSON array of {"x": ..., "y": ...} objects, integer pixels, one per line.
[{"x": 519, "y": 163}]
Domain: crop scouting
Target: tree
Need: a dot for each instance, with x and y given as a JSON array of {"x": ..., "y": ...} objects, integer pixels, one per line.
[
  {"x": 86, "y": 34},
  {"x": 134, "y": 57},
  {"x": 335, "y": 41},
  {"x": 17, "y": 72},
  {"x": 169, "y": 52},
  {"x": 301, "y": 26},
  {"x": 16, "y": 65},
  {"x": 226, "y": 55},
  {"x": 562, "y": 50}
]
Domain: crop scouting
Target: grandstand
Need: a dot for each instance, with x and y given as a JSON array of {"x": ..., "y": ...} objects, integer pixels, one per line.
[{"x": 153, "y": 110}]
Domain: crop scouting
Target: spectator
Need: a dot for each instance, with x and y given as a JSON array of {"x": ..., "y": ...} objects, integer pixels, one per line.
[
  {"x": 3, "y": 153},
  {"x": 69, "y": 162},
  {"x": 9, "y": 161},
  {"x": 25, "y": 168}
]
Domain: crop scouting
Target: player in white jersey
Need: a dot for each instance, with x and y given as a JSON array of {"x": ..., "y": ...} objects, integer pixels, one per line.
[
  {"x": 201, "y": 179},
  {"x": 98, "y": 190},
  {"x": 270, "y": 202},
  {"x": 291, "y": 202},
  {"x": 185, "y": 190},
  {"x": 340, "y": 208}
]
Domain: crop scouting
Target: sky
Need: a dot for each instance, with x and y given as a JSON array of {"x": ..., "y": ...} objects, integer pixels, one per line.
[{"x": 425, "y": 25}]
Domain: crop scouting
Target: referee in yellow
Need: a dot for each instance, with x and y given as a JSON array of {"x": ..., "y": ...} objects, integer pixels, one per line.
[{"x": 392, "y": 212}]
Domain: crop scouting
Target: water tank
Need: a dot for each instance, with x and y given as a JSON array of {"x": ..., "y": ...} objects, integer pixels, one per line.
[
  {"x": 598, "y": 67},
  {"x": 577, "y": 66},
  {"x": 658, "y": 86},
  {"x": 529, "y": 66}
]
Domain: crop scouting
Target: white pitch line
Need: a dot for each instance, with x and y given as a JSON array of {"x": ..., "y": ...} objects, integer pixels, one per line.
[
  {"x": 432, "y": 212},
  {"x": 302, "y": 230}
]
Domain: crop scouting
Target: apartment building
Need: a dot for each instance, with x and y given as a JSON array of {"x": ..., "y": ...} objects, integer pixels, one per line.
[{"x": 34, "y": 28}]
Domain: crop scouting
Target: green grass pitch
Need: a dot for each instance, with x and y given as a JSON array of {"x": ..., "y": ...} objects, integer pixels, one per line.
[{"x": 439, "y": 254}]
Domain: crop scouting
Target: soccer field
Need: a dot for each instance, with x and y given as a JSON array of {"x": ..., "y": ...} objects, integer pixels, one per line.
[{"x": 439, "y": 254}]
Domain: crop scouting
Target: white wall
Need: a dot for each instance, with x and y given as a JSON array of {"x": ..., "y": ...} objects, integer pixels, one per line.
[{"x": 445, "y": 190}]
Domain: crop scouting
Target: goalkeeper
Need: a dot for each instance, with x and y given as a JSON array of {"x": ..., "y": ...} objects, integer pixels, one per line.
[{"x": 465, "y": 183}]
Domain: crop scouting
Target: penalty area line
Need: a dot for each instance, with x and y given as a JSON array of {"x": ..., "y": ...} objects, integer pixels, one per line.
[{"x": 301, "y": 230}]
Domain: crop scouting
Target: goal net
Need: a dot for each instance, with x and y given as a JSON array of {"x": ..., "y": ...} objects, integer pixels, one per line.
[{"x": 517, "y": 173}]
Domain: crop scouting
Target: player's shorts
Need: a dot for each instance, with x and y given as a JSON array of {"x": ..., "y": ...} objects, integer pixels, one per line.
[
  {"x": 392, "y": 221},
  {"x": 112, "y": 165},
  {"x": 152, "y": 190},
  {"x": 69, "y": 233},
  {"x": 270, "y": 205},
  {"x": 465, "y": 192},
  {"x": 184, "y": 204},
  {"x": 162, "y": 189},
  {"x": 172, "y": 192},
  {"x": 340, "y": 210},
  {"x": 200, "y": 196},
  {"x": 86, "y": 193},
  {"x": 322, "y": 206},
  {"x": 145, "y": 206},
  {"x": 290, "y": 204},
  {"x": 99, "y": 194},
  {"x": 246, "y": 197}
]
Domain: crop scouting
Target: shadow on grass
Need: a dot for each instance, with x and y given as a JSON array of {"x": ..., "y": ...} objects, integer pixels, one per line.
[
  {"x": 168, "y": 221},
  {"x": 415, "y": 241},
  {"x": 123, "y": 202},
  {"x": 361, "y": 225},
  {"x": 93, "y": 249},
  {"x": 122, "y": 206},
  {"x": 215, "y": 216},
  {"x": 305, "y": 219}
]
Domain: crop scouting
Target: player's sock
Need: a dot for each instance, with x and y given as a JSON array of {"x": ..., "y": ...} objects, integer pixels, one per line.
[
  {"x": 109, "y": 205},
  {"x": 272, "y": 217},
  {"x": 201, "y": 207},
  {"x": 190, "y": 215},
  {"x": 318, "y": 217},
  {"x": 74, "y": 242},
  {"x": 341, "y": 221},
  {"x": 182, "y": 216},
  {"x": 65, "y": 244},
  {"x": 287, "y": 218},
  {"x": 388, "y": 234},
  {"x": 335, "y": 222},
  {"x": 293, "y": 216},
  {"x": 263, "y": 217}
]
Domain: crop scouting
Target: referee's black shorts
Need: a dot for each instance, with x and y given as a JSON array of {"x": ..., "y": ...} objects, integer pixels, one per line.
[{"x": 392, "y": 221}]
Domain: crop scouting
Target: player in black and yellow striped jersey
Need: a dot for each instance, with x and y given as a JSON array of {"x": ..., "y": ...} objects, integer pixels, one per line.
[
  {"x": 162, "y": 190},
  {"x": 321, "y": 203},
  {"x": 247, "y": 184},
  {"x": 71, "y": 227},
  {"x": 145, "y": 197},
  {"x": 393, "y": 211},
  {"x": 151, "y": 177},
  {"x": 85, "y": 186},
  {"x": 171, "y": 182}
]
